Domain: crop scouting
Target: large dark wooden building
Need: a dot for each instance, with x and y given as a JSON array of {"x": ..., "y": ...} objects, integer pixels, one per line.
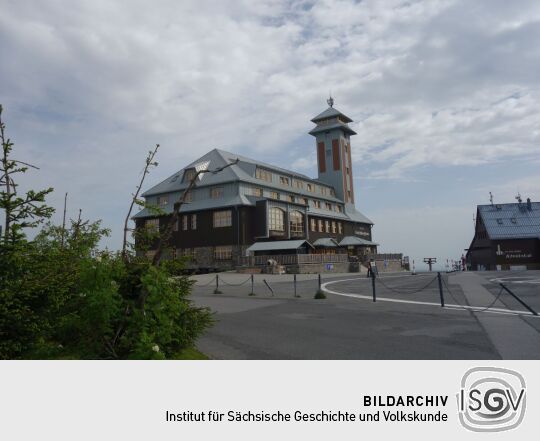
[
  {"x": 507, "y": 236},
  {"x": 281, "y": 211}
]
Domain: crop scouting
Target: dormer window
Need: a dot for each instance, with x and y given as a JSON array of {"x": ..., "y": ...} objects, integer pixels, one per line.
[
  {"x": 499, "y": 221},
  {"x": 262, "y": 174},
  {"x": 189, "y": 174},
  {"x": 162, "y": 200}
]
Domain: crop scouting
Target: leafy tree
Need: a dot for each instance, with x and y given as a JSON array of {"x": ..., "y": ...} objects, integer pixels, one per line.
[
  {"x": 61, "y": 297},
  {"x": 21, "y": 212}
]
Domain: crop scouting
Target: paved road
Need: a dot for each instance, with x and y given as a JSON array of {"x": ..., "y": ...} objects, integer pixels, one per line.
[{"x": 410, "y": 325}]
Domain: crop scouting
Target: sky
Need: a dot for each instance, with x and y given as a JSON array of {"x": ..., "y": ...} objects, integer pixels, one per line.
[{"x": 444, "y": 94}]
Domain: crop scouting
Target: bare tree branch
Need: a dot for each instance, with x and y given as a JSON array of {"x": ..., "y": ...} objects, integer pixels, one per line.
[{"x": 149, "y": 162}]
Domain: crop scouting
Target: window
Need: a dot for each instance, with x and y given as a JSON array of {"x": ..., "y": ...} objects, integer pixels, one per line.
[
  {"x": 173, "y": 253},
  {"x": 327, "y": 226},
  {"x": 189, "y": 197},
  {"x": 313, "y": 224},
  {"x": 320, "y": 225},
  {"x": 175, "y": 226},
  {"x": 304, "y": 201},
  {"x": 340, "y": 228},
  {"x": 184, "y": 222},
  {"x": 193, "y": 221},
  {"x": 274, "y": 195},
  {"x": 189, "y": 175},
  {"x": 150, "y": 254},
  {"x": 328, "y": 206},
  {"x": 290, "y": 198},
  {"x": 187, "y": 253},
  {"x": 349, "y": 194},
  {"x": 162, "y": 200},
  {"x": 499, "y": 221},
  {"x": 316, "y": 203},
  {"x": 339, "y": 208},
  {"x": 334, "y": 227},
  {"x": 299, "y": 184},
  {"x": 276, "y": 222},
  {"x": 332, "y": 192},
  {"x": 296, "y": 221},
  {"x": 257, "y": 191},
  {"x": 223, "y": 253},
  {"x": 216, "y": 192},
  {"x": 513, "y": 220},
  {"x": 152, "y": 224},
  {"x": 265, "y": 175},
  {"x": 323, "y": 191},
  {"x": 347, "y": 170},
  {"x": 222, "y": 218},
  {"x": 310, "y": 187},
  {"x": 284, "y": 180}
]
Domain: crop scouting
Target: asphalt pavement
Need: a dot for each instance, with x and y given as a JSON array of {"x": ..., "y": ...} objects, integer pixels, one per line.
[{"x": 406, "y": 322}]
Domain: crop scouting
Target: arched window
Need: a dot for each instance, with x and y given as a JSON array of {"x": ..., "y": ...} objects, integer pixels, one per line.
[
  {"x": 275, "y": 217},
  {"x": 296, "y": 220}
]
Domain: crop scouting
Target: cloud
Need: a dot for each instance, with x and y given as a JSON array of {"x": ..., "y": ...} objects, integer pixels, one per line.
[{"x": 89, "y": 86}]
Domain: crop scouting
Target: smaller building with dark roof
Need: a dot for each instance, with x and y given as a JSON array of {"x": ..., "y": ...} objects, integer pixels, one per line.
[{"x": 507, "y": 236}]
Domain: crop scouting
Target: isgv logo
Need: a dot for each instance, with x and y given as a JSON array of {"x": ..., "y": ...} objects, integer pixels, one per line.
[{"x": 491, "y": 399}]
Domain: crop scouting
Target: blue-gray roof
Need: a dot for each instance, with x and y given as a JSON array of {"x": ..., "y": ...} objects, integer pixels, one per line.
[
  {"x": 325, "y": 242},
  {"x": 354, "y": 241},
  {"x": 243, "y": 171},
  {"x": 330, "y": 113},
  {"x": 511, "y": 221}
]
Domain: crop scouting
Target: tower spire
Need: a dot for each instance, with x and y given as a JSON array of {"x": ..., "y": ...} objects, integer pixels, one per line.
[{"x": 330, "y": 101}]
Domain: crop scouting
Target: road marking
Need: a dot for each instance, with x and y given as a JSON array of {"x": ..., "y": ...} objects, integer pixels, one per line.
[
  {"x": 416, "y": 302},
  {"x": 508, "y": 280}
]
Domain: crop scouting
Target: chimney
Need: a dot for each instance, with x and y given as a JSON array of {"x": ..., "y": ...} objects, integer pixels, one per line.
[{"x": 529, "y": 205}]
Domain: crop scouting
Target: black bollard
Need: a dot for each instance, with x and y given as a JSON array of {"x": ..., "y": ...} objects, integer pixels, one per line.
[
  {"x": 295, "y": 285},
  {"x": 373, "y": 286},
  {"x": 440, "y": 289},
  {"x": 252, "y": 293}
]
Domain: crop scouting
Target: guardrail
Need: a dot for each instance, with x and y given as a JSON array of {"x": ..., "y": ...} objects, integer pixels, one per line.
[{"x": 294, "y": 259}]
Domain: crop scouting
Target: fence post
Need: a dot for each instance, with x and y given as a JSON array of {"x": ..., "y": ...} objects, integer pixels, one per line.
[
  {"x": 252, "y": 293},
  {"x": 440, "y": 288},
  {"x": 217, "y": 291},
  {"x": 518, "y": 299},
  {"x": 295, "y": 285},
  {"x": 319, "y": 281},
  {"x": 373, "y": 286}
]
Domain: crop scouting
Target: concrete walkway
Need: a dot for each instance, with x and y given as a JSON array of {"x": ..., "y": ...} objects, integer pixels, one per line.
[{"x": 511, "y": 336}]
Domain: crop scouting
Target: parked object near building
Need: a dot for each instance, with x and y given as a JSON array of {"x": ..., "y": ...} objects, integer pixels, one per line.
[
  {"x": 507, "y": 236},
  {"x": 252, "y": 211}
]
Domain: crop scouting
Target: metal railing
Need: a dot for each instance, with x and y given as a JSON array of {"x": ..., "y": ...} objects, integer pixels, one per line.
[{"x": 294, "y": 259}]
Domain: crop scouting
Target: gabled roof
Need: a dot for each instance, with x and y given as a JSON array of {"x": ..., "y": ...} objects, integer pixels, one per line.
[
  {"x": 325, "y": 242},
  {"x": 354, "y": 241},
  {"x": 277, "y": 245},
  {"x": 511, "y": 221}
]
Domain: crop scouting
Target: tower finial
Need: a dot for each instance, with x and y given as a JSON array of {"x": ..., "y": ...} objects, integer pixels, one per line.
[{"x": 330, "y": 101}]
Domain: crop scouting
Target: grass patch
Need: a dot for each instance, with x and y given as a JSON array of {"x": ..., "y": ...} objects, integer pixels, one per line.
[{"x": 320, "y": 294}]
